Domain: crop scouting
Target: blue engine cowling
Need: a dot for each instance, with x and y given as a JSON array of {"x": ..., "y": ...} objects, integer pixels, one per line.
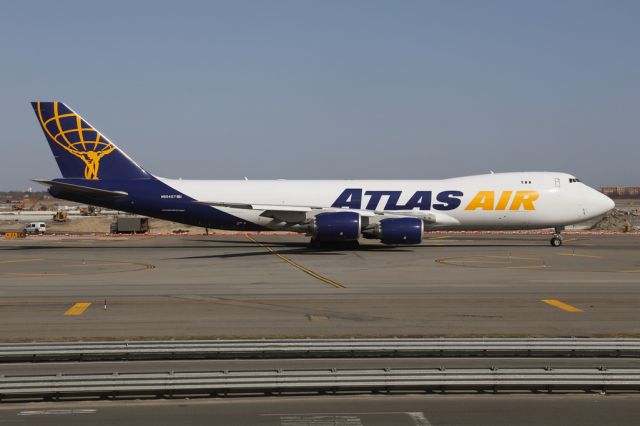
[
  {"x": 402, "y": 230},
  {"x": 336, "y": 226}
]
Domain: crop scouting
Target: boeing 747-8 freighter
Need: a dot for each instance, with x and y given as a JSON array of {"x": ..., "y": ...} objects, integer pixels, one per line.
[{"x": 95, "y": 171}]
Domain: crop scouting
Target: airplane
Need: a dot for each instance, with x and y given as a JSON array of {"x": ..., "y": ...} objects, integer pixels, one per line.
[{"x": 396, "y": 212}]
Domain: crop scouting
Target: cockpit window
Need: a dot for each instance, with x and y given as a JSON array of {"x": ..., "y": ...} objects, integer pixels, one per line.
[{"x": 572, "y": 180}]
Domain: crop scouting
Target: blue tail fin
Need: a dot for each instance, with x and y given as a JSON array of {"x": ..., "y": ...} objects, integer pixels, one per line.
[{"x": 80, "y": 150}]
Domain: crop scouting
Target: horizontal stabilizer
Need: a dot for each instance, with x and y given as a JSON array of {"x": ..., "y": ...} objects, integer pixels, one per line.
[
  {"x": 82, "y": 190},
  {"x": 277, "y": 207}
]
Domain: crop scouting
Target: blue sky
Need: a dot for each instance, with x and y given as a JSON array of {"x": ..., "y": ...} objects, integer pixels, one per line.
[{"x": 330, "y": 89}]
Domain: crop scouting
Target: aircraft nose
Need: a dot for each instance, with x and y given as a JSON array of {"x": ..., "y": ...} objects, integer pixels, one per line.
[{"x": 603, "y": 203}]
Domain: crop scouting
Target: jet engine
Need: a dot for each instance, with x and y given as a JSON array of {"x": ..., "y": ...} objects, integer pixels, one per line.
[
  {"x": 401, "y": 230},
  {"x": 336, "y": 226}
]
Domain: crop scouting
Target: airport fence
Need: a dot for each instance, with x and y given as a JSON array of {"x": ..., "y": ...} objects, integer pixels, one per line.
[
  {"x": 270, "y": 382},
  {"x": 316, "y": 348}
]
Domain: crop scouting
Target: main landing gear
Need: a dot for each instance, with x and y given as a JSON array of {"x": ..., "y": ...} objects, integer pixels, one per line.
[{"x": 556, "y": 240}]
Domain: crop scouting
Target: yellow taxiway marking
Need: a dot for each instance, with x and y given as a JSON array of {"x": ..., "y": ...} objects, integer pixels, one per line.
[
  {"x": 512, "y": 257},
  {"x": 75, "y": 265},
  {"x": 566, "y": 240},
  {"x": 505, "y": 260},
  {"x": 19, "y": 260},
  {"x": 630, "y": 271},
  {"x": 441, "y": 237},
  {"x": 78, "y": 308},
  {"x": 317, "y": 318},
  {"x": 561, "y": 305},
  {"x": 35, "y": 274},
  {"x": 295, "y": 264},
  {"x": 593, "y": 256},
  {"x": 525, "y": 267}
]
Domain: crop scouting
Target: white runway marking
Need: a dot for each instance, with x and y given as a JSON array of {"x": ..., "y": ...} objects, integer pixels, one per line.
[
  {"x": 320, "y": 420},
  {"x": 343, "y": 419},
  {"x": 419, "y": 419}
]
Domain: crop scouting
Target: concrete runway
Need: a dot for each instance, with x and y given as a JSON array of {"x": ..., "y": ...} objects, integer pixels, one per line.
[
  {"x": 54, "y": 288},
  {"x": 377, "y": 410}
]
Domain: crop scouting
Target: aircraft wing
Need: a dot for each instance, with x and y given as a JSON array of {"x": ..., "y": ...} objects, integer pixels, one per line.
[
  {"x": 430, "y": 218},
  {"x": 297, "y": 214},
  {"x": 275, "y": 207},
  {"x": 282, "y": 212}
]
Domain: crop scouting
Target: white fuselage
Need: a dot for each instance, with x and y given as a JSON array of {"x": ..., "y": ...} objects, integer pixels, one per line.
[{"x": 521, "y": 200}]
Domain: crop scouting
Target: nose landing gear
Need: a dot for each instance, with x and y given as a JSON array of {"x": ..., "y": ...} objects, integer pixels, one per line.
[{"x": 556, "y": 240}]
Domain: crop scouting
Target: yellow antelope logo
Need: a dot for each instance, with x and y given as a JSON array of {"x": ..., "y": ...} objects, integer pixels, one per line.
[{"x": 86, "y": 143}]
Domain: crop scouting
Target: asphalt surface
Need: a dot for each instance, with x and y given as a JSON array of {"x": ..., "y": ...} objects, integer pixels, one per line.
[
  {"x": 274, "y": 286},
  {"x": 377, "y": 410}
]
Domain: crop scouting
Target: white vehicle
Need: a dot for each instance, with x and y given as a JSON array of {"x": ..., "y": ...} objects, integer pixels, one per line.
[
  {"x": 36, "y": 228},
  {"x": 96, "y": 172}
]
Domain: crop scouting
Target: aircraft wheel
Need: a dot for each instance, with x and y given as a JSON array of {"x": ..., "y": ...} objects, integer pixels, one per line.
[{"x": 556, "y": 241}]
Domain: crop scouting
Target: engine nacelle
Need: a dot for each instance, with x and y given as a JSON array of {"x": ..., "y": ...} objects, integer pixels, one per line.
[
  {"x": 336, "y": 226},
  {"x": 401, "y": 230}
]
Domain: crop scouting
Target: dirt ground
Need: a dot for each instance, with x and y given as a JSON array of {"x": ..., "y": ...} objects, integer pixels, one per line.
[
  {"x": 100, "y": 224},
  {"x": 618, "y": 220}
]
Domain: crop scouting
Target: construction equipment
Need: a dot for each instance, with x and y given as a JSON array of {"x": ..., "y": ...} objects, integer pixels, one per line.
[
  {"x": 88, "y": 211},
  {"x": 27, "y": 204},
  {"x": 60, "y": 216}
]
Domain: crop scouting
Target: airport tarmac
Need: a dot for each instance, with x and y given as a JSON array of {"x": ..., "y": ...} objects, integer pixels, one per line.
[
  {"x": 374, "y": 410},
  {"x": 55, "y": 288}
]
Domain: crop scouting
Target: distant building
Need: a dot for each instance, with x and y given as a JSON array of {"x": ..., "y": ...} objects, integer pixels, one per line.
[{"x": 621, "y": 191}]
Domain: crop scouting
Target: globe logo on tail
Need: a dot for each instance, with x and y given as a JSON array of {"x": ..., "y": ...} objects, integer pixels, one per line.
[{"x": 75, "y": 136}]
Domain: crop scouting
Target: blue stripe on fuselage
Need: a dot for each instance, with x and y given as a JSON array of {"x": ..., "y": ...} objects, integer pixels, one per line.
[{"x": 151, "y": 197}]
